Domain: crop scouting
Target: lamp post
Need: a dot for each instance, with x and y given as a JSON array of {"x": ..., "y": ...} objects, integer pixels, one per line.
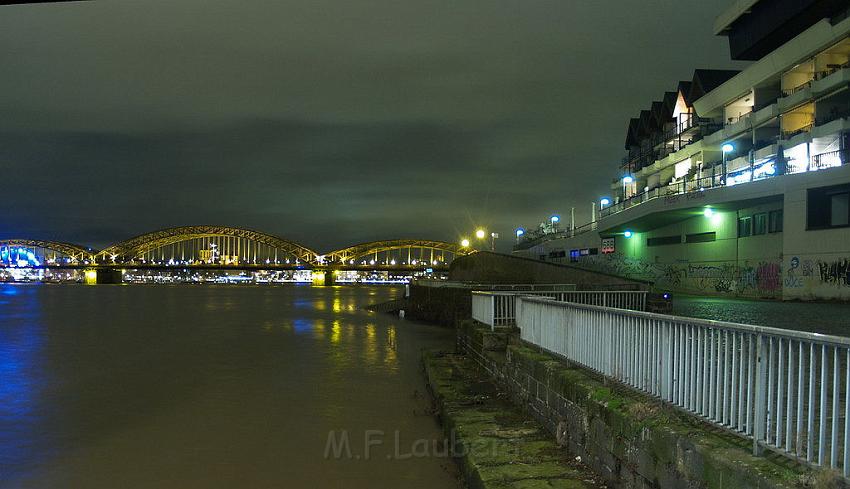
[
  {"x": 493, "y": 237},
  {"x": 626, "y": 181},
  {"x": 726, "y": 148}
]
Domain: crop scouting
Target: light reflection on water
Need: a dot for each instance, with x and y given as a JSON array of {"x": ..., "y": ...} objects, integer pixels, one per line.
[
  {"x": 21, "y": 342},
  {"x": 206, "y": 386}
]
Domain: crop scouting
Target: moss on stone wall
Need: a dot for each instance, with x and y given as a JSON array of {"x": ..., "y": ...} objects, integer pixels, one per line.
[
  {"x": 497, "y": 445},
  {"x": 633, "y": 439}
]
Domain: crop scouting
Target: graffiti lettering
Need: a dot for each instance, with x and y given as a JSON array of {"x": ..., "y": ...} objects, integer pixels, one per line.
[{"x": 835, "y": 272}]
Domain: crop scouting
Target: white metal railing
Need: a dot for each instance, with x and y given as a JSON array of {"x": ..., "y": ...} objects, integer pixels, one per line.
[
  {"x": 498, "y": 308},
  {"x": 491, "y": 286},
  {"x": 786, "y": 390}
]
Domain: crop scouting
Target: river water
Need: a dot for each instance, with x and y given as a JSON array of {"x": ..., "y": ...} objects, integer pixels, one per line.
[{"x": 212, "y": 386}]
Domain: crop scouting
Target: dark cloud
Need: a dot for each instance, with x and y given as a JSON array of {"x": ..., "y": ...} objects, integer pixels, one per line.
[{"x": 323, "y": 121}]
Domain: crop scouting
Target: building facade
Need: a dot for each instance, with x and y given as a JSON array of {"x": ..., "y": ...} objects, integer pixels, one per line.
[{"x": 737, "y": 183}]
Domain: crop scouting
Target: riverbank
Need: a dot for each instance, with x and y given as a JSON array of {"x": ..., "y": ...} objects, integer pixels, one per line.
[{"x": 495, "y": 443}]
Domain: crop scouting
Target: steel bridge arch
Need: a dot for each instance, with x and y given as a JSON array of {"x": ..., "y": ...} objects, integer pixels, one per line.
[
  {"x": 139, "y": 245},
  {"x": 76, "y": 252},
  {"x": 363, "y": 249}
]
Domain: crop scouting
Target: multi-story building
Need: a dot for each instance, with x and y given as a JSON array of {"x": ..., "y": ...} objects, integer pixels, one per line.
[{"x": 737, "y": 182}]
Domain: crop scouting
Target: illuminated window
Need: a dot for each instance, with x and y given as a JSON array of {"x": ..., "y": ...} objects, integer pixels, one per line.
[{"x": 682, "y": 168}]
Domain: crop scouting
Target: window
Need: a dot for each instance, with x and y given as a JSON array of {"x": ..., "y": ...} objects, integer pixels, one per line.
[
  {"x": 775, "y": 221},
  {"x": 701, "y": 237},
  {"x": 663, "y": 240},
  {"x": 574, "y": 254},
  {"x": 745, "y": 227},
  {"x": 760, "y": 223},
  {"x": 828, "y": 207},
  {"x": 839, "y": 212}
]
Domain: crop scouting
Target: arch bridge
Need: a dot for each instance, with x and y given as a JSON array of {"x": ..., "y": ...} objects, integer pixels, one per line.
[
  {"x": 229, "y": 247},
  {"x": 222, "y": 245},
  {"x": 50, "y": 252},
  {"x": 396, "y": 252}
]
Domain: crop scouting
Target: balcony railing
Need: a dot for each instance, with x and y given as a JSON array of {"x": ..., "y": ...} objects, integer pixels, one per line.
[
  {"x": 830, "y": 159},
  {"x": 833, "y": 115},
  {"x": 830, "y": 69},
  {"x": 667, "y": 190},
  {"x": 786, "y": 135},
  {"x": 694, "y": 128},
  {"x": 791, "y": 91},
  {"x": 533, "y": 238}
]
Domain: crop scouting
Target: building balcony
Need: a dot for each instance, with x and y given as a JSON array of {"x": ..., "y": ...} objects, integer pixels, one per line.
[
  {"x": 828, "y": 81},
  {"x": 791, "y": 135},
  {"x": 830, "y": 159},
  {"x": 833, "y": 115},
  {"x": 739, "y": 172},
  {"x": 800, "y": 96}
]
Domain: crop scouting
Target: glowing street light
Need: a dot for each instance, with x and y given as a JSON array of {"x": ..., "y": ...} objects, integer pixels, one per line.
[
  {"x": 727, "y": 148},
  {"x": 464, "y": 242},
  {"x": 480, "y": 234},
  {"x": 708, "y": 212},
  {"x": 627, "y": 234}
]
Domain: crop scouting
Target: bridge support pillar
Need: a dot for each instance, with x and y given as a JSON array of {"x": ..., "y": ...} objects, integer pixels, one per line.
[
  {"x": 323, "y": 277},
  {"x": 103, "y": 276}
]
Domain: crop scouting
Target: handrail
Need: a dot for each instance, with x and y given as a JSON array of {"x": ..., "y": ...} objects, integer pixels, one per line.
[
  {"x": 499, "y": 308},
  {"x": 787, "y": 391},
  {"x": 748, "y": 328}
]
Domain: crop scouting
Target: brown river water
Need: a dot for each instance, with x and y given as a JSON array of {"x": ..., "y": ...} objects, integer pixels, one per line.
[{"x": 214, "y": 387}]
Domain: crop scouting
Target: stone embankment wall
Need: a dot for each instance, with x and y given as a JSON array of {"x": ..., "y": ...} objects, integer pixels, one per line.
[
  {"x": 495, "y": 268},
  {"x": 441, "y": 305},
  {"x": 630, "y": 439}
]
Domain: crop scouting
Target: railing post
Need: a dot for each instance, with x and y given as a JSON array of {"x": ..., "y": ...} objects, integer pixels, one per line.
[
  {"x": 760, "y": 389},
  {"x": 492, "y": 311}
]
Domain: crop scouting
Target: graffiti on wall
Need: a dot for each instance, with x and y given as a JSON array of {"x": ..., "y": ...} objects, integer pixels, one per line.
[
  {"x": 761, "y": 279},
  {"x": 835, "y": 272},
  {"x": 809, "y": 274}
]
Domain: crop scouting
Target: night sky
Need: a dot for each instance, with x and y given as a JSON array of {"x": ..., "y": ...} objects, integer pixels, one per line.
[{"x": 328, "y": 122}]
